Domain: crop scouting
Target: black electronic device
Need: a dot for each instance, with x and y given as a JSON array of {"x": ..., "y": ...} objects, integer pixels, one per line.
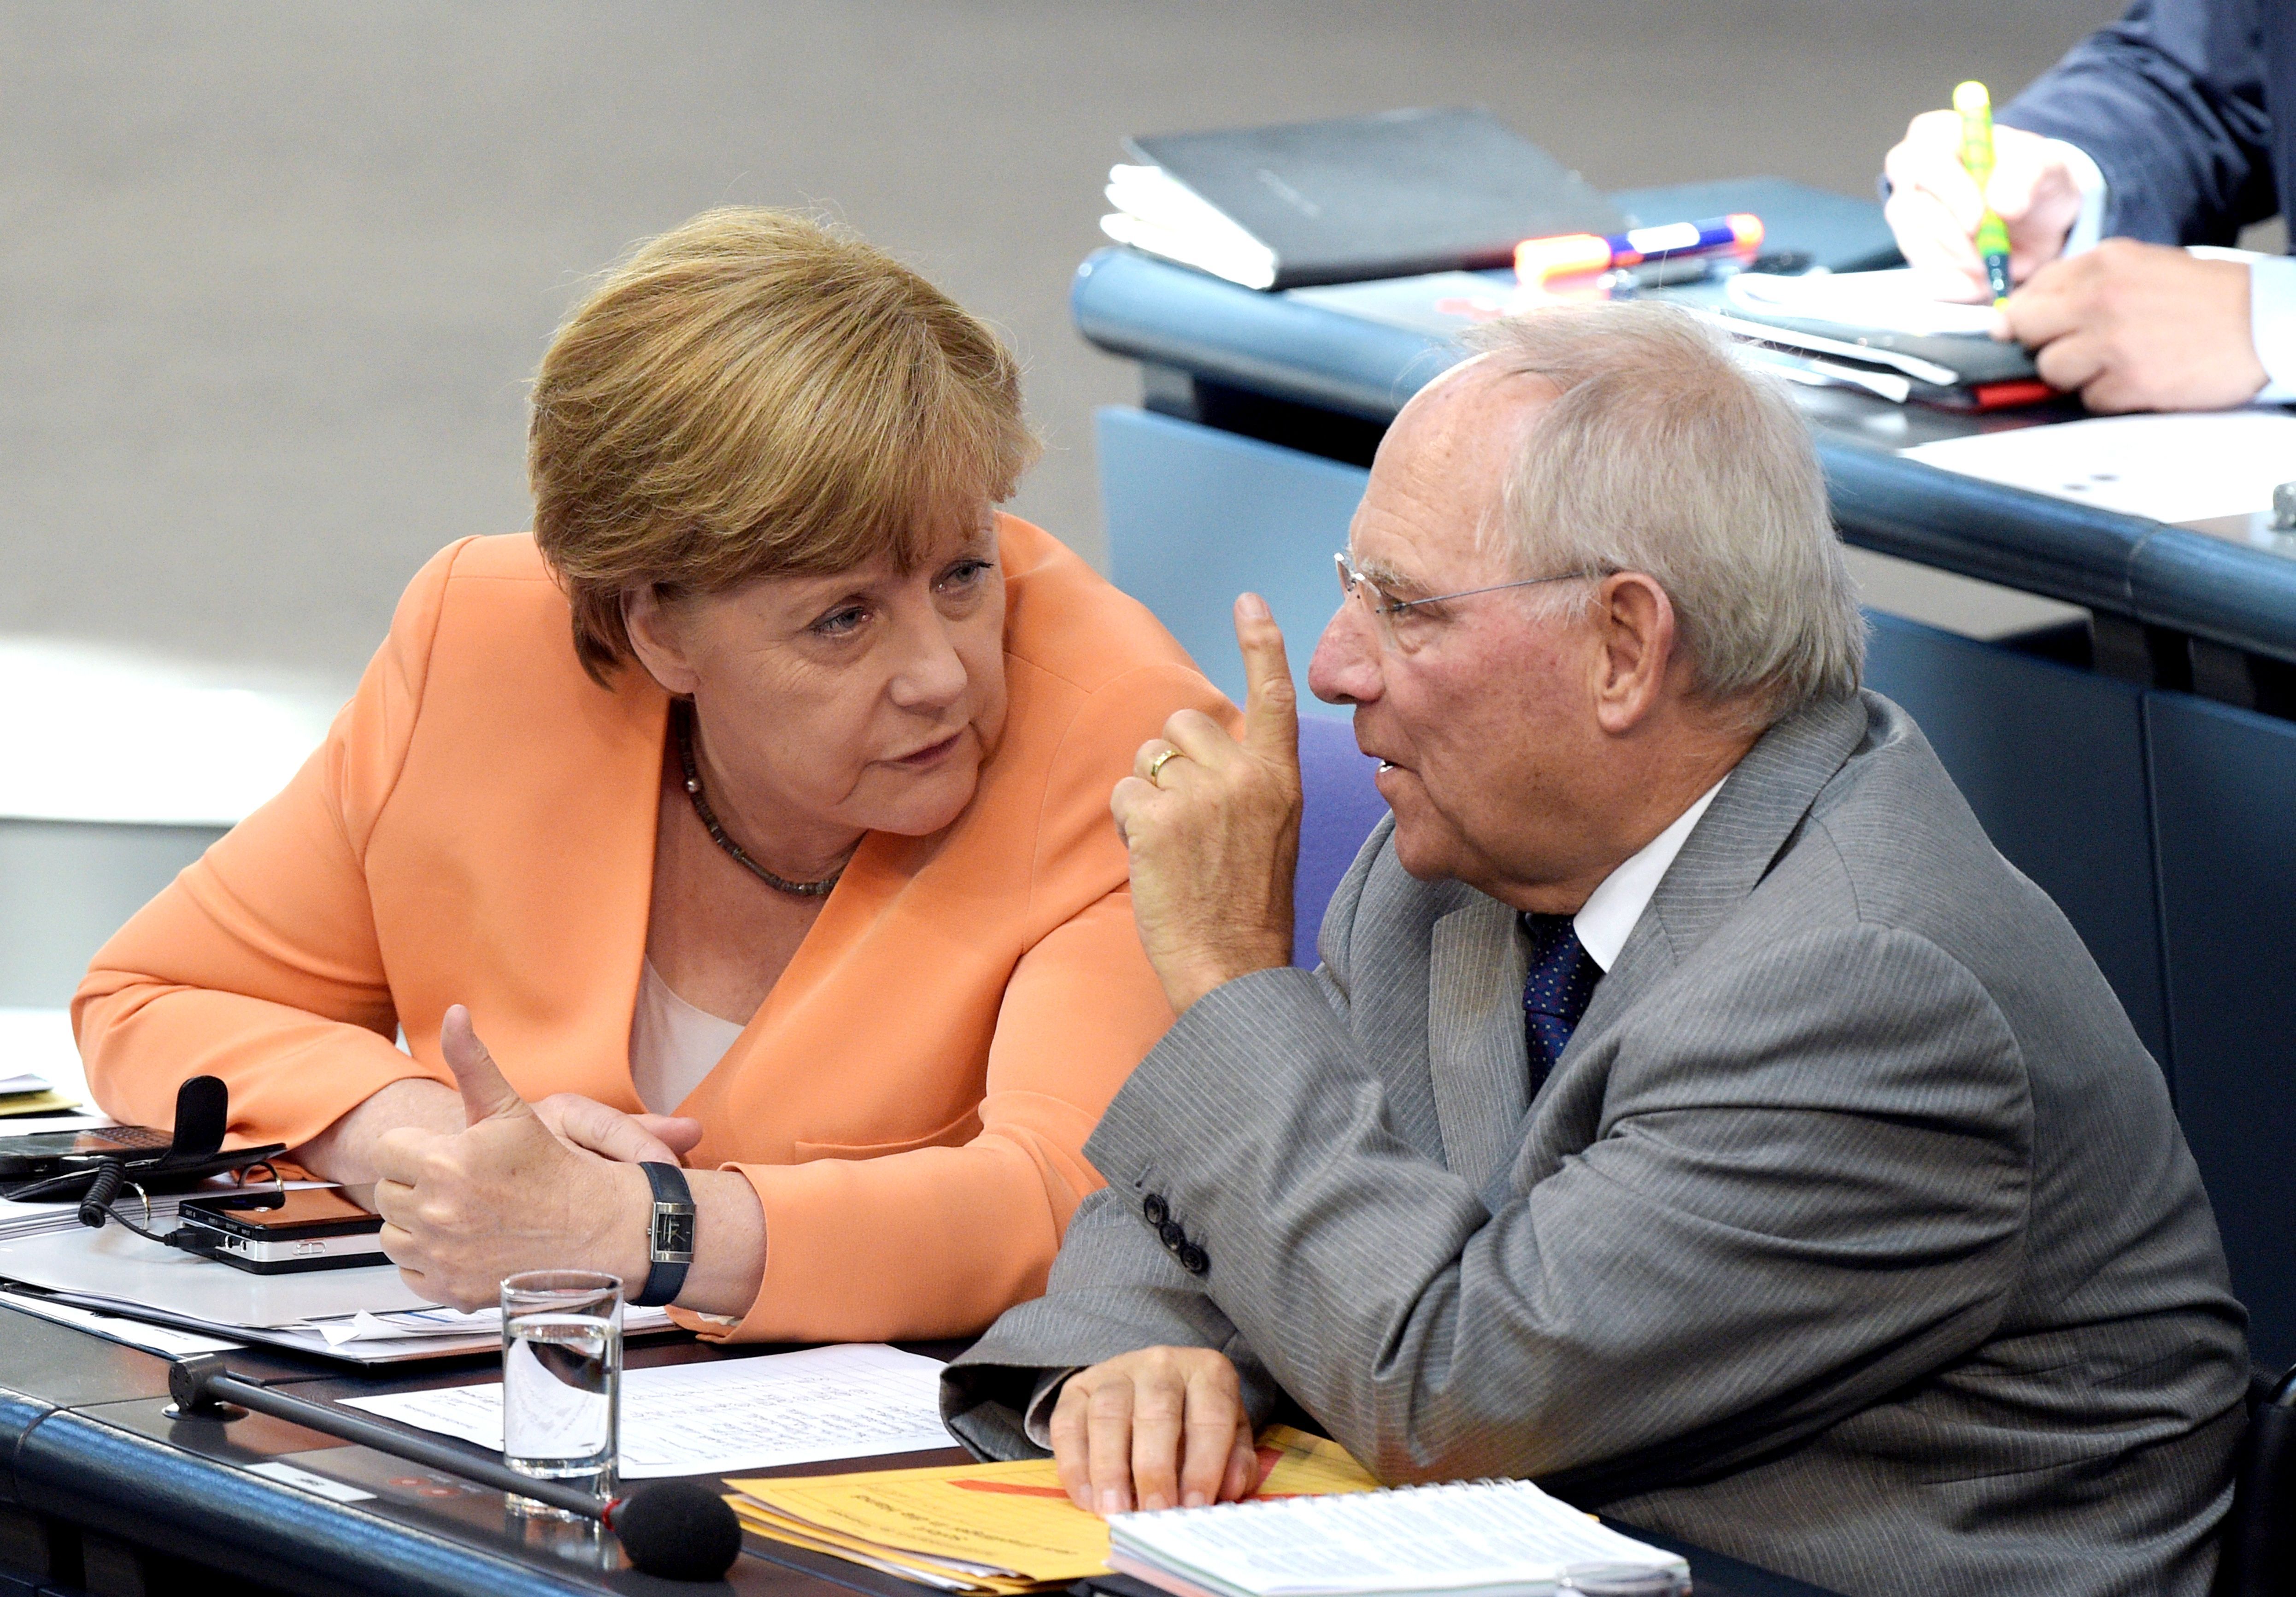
[
  {"x": 48, "y": 1153},
  {"x": 93, "y": 1167},
  {"x": 676, "y": 1529},
  {"x": 273, "y": 1232}
]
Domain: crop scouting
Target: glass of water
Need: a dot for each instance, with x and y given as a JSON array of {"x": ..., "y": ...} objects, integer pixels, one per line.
[{"x": 562, "y": 1380}]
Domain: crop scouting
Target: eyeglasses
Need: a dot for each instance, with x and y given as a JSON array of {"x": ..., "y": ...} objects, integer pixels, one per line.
[{"x": 1389, "y": 609}]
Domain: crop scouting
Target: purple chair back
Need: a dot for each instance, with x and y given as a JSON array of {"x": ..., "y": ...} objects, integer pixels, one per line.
[{"x": 1339, "y": 807}]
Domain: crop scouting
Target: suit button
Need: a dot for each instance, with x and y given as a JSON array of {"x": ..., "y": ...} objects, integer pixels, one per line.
[
  {"x": 1193, "y": 1259},
  {"x": 1155, "y": 1209},
  {"x": 1172, "y": 1235}
]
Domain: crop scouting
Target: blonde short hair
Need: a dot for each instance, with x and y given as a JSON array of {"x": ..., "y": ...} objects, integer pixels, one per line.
[
  {"x": 1665, "y": 455},
  {"x": 758, "y": 393}
]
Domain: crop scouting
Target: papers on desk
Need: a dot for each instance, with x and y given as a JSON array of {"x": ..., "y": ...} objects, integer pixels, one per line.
[
  {"x": 1004, "y": 1528},
  {"x": 367, "y": 1315},
  {"x": 40, "y": 1064},
  {"x": 2171, "y": 468},
  {"x": 1892, "y": 301},
  {"x": 862, "y": 1400},
  {"x": 1496, "y": 1538}
]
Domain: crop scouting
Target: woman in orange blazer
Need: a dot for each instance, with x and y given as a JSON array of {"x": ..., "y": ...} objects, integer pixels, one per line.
[{"x": 798, "y": 862}]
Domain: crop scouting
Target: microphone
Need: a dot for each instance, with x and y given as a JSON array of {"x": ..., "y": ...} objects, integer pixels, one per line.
[
  {"x": 676, "y": 1529},
  {"x": 203, "y": 1116}
]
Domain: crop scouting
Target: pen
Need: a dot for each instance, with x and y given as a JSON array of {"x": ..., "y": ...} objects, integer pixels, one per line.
[
  {"x": 1536, "y": 259},
  {"x": 1976, "y": 109}
]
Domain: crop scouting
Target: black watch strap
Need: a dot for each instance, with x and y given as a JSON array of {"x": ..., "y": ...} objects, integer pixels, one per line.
[{"x": 669, "y": 1236}]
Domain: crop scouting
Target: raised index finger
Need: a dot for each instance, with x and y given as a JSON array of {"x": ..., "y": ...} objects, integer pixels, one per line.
[{"x": 1271, "y": 705}]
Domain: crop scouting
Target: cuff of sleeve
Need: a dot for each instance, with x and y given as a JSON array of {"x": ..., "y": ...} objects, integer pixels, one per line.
[
  {"x": 2089, "y": 227},
  {"x": 1037, "y": 1422},
  {"x": 2272, "y": 326}
]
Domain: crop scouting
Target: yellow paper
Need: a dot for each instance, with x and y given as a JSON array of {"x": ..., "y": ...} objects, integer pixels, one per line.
[
  {"x": 35, "y": 1103},
  {"x": 1011, "y": 1522}
]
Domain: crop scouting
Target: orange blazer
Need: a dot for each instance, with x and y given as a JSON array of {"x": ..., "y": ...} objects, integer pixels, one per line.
[{"x": 911, "y": 1102}]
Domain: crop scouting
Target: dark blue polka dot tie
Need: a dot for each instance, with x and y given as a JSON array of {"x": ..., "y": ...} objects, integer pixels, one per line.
[{"x": 1557, "y": 991}]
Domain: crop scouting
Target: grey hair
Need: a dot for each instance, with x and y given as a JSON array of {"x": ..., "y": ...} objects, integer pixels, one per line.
[{"x": 1664, "y": 455}]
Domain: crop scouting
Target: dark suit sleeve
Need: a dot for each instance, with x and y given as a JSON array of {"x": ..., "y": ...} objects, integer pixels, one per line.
[
  {"x": 1790, "y": 1206},
  {"x": 2170, "y": 102}
]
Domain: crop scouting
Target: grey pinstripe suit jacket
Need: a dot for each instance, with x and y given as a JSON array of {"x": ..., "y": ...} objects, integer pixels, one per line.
[{"x": 1853, "y": 1234}]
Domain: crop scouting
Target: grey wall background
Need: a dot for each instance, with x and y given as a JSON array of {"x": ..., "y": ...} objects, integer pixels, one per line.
[{"x": 272, "y": 274}]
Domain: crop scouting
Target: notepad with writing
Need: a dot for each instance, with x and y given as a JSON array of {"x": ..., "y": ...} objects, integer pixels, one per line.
[{"x": 1484, "y": 1538}]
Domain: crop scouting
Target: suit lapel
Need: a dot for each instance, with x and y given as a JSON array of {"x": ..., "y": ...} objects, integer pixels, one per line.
[
  {"x": 1727, "y": 853},
  {"x": 1477, "y": 1060}
]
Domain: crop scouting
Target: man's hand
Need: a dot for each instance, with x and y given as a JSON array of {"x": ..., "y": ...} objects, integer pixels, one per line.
[
  {"x": 2137, "y": 326},
  {"x": 1934, "y": 207},
  {"x": 1213, "y": 828},
  {"x": 1162, "y": 1427},
  {"x": 463, "y": 1210}
]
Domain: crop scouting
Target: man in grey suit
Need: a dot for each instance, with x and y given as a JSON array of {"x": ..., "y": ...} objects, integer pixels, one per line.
[{"x": 1692, "y": 1112}]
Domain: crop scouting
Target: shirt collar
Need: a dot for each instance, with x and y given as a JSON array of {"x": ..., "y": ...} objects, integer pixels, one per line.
[{"x": 1609, "y": 914}]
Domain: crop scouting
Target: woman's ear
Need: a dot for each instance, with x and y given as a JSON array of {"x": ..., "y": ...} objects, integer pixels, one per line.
[{"x": 658, "y": 640}]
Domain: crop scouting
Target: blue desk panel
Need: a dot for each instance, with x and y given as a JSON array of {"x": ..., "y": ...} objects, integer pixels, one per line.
[{"x": 2225, "y": 801}]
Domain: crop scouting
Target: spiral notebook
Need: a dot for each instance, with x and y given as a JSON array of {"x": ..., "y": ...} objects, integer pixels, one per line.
[{"x": 1498, "y": 1538}]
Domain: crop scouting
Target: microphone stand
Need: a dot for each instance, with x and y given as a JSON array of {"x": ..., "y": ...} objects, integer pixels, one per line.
[{"x": 672, "y": 1529}]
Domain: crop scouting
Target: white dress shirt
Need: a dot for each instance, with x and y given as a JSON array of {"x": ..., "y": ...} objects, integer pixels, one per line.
[{"x": 1609, "y": 916}]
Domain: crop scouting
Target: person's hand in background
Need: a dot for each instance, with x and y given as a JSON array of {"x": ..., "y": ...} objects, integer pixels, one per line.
[
  {"x": 1934, "y": 206},
  {"x": 2132, "y": 327}
]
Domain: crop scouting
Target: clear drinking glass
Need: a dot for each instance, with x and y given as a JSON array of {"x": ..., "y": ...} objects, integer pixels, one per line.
[{"x": 562, "y": 1380}]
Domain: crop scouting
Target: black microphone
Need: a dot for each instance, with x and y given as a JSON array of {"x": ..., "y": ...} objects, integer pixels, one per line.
[
  {"x": 676, "y": 1529},
  {"x": 203, "y": 1116}
]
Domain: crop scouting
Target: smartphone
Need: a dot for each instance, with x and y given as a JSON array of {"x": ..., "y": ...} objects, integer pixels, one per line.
[
  {"x": 49, "y": 1153},
  {"x": 275, "y": 1234}
]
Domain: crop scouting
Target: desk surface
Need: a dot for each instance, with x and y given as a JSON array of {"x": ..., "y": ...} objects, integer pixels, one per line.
[
  {"x": 84, "y": 1436},
  {"x": 2216, "y": 584}
]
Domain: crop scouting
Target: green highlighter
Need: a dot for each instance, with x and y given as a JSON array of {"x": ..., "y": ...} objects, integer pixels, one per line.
[{"x": 1976, "y": 109}]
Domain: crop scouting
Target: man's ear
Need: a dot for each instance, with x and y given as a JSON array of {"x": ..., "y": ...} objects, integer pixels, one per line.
[
  {"x": 658, "y": 640},
  {"x": 1634, "y": 628}
]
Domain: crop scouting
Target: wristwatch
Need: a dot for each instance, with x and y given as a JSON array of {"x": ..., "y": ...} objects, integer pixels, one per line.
[{"x": 669, "y": 1236}]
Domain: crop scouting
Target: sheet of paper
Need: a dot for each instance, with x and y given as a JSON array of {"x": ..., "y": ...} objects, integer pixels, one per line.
[
  {"x": 423, "y": 1324},
  {"x": 39, "y": 1043},
  {"x": 124, "y": 1271},
  {"x": 1894, "y": 301},
  {"x": 860, "y": 1400},
  {"x": 151, "y": 1338},
  {"x": 2172, "y": 468}
]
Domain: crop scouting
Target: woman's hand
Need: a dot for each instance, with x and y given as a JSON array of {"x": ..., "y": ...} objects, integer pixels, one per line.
[
  {"x": 626, "y": 1139},
  {"x": 463, "y": 1209}
]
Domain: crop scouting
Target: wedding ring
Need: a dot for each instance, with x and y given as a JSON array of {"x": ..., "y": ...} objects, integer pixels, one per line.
[{"x": 1156, "y": 765}]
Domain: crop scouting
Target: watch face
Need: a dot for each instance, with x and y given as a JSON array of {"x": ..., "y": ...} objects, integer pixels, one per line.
[{"x": 672, "y": 1235}]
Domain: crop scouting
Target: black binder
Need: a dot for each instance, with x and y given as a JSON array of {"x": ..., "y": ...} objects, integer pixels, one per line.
[{"x": 1389, "y": 195}]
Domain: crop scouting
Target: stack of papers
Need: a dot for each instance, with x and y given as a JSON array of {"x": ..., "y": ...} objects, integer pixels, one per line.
[
  {"x": 1891, "y": 302},
  {"x": 1493, "y": 1538},
  {"x": 1003, "y": 1528},
  {"x": 29, "y": 1094},
  {"x": 860, "y": 1400},
  {"x": 367, "y": 1315}
]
